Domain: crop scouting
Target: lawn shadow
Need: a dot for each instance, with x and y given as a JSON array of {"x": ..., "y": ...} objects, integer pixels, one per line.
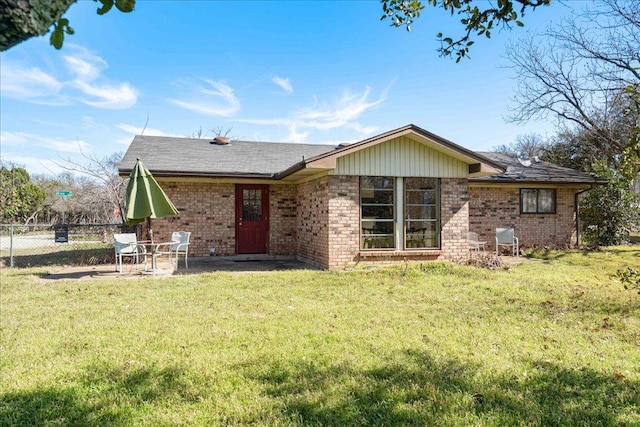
[
  {"x": 101, "y": 397},
  {"x": 553, "y": 255},
  {"x": 422, "y": 390},
  {"x": 631, "y": 250},
  {"x": 90, "y": 256}
]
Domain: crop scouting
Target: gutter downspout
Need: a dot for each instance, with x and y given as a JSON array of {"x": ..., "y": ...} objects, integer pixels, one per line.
[{"x": 576, "y": 196}]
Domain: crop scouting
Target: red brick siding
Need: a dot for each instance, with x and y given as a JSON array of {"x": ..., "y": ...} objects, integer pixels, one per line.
[
  {"x": 494, "y": 207},
  {"x": 282, "y": 221},
  {"x": 319, "y": 220},
  {"x": 454, "y": 218},
  {"x": 332, "y": 212},
  {"x": 207, "y": 211},
  {"x": 313, "y": 221},
  {"x": 344, "y": 220}
]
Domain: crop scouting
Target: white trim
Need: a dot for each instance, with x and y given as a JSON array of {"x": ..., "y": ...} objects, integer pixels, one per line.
[{"x": 399, "y": 213}]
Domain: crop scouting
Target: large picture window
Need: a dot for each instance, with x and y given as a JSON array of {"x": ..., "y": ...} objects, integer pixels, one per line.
[
  {"x": 538, "y": 200},
  {"x": 421, "y": 210},
  {"x": 377, "y": 202},
  {"x": 399, "y": 213}
]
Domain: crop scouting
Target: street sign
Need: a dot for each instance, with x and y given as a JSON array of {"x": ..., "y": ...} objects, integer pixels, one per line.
[{"x": 64, "y": 193}]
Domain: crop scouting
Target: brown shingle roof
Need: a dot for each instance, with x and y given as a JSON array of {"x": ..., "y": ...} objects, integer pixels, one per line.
[
  {"x": 169, "y": 156},
  {"x": 536, "y": 172}
]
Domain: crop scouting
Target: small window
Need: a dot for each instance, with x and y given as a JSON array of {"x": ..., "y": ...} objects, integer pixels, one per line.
[{"x": 537, "y": 200}]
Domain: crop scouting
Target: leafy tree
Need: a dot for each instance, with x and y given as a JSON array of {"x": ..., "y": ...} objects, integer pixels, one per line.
[
  {"x": 609, "y": 211},
  {"x": 479, "y": 18},
  {"x": 21, "y": 20},
  {"x": 20, "y": 199}
]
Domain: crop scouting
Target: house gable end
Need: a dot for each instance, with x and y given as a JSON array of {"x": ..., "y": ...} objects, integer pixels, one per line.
[
  {"x": 401, "y": 156},
  {"x": 397, "y": 155}
]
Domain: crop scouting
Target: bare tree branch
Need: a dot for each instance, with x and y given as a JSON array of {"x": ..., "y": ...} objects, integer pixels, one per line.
[{"x": 580, "y": 72}]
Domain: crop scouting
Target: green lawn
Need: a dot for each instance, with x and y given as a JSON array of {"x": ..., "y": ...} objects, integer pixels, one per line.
[{"x": 553, "y": 342}]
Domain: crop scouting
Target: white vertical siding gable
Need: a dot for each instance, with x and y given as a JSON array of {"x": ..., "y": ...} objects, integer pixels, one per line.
[{"x": 401, "y": 157}]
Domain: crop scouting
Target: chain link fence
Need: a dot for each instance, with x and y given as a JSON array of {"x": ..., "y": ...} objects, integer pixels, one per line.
[{"x": 58, "y": 244}]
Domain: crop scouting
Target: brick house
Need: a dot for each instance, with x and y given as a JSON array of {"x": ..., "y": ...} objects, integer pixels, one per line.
[{"x": 406, "y": 194}]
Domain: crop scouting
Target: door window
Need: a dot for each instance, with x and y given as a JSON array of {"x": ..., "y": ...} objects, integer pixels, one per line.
[{"x": 251, "y": 205}]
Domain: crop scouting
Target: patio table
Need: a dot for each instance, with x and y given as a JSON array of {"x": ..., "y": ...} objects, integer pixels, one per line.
[{"x": 154, "y": 249}]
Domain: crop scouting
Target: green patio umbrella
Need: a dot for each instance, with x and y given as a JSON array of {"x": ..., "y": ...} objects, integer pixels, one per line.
[{"x": 145, "y": 199}]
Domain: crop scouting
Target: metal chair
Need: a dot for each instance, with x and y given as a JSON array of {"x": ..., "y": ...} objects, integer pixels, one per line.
[
  {"x": 126, "y": 244},
  {"x": 475, "y": 243},
  {"x": 506, "y": 237},
  {"x": 179, "y": 245}
]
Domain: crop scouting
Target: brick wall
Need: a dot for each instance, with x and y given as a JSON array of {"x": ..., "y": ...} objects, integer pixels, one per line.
[
  {"x": 344, "y": 220},
  {"x": 454, "y": 218},
  {"x": 207, "y": 210},
  {"x": 494, "y": 207},
  {"x": 319, "y": 220},
  {"x": 329, "y": 221},
  {"x": 313, "y": 221},
  {"x": 282, "y": 219}
]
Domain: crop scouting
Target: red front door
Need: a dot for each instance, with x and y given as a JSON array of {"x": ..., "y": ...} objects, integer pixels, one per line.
[{"x": 252, "y": 218}]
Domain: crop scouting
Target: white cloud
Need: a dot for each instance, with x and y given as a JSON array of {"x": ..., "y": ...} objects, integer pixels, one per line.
[
  {"x": 98, "y": 91},
  {"x": 33, "y": 165},
  {"x": 68, "y": 146},
  {"x": 81, "y": 79},
  {"x": 108, "y": 96},
  {"x": 215, "y": 99},
  {"x": 135, "y": 130},
  {"x": 345, "y": 112},
  {"x": 29, "y": 83},
  {"x": 341, "y": 113},
  {"x": 13, "y": 138},
  {"x": 284, "y": 83},
  {"x": 85, "y": 65},
  {"x": 89, "y": 121},
  {"x": 132, "y": 130},
  {"x": 37, "y": 141},
  {"x": 296, "y": 136}
]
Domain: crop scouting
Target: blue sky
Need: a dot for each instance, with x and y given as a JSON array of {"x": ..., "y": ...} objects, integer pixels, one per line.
[{"x": 296, "y": 71}]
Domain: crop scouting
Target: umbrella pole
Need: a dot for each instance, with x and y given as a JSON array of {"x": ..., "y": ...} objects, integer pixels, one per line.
[
  {"x": 153, "y": 248},
  {"x": 149, "y": 230}
]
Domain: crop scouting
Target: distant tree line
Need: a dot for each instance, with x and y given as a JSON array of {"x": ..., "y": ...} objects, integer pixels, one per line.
[{"x": 97, "y": 193}]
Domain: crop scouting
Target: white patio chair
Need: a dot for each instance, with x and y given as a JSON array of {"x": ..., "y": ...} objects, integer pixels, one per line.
[
  {"x": 474, "y": 242},
  {"x": 126, "y": 244},
  {"x": 506, "y": 237},
  {"x": 179, "y": 246}
]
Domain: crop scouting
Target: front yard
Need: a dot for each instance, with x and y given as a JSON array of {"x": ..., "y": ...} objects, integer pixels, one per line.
[{"x": 553, "y": 342}]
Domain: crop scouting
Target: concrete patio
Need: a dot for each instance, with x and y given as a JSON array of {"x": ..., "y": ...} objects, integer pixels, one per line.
[
  {"x": 197, "y": 265},
  {"x": 200, "y": 265}
]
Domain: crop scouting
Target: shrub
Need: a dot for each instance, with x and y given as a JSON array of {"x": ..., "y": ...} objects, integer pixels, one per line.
[{"x": 630, "y": 278}]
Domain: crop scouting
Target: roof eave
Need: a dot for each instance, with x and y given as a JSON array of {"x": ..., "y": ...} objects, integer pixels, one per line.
[
  {"x": 188, "y": 174},
  {"x": 482, "y": 180},
  {"x": 291, "y": 170}
]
